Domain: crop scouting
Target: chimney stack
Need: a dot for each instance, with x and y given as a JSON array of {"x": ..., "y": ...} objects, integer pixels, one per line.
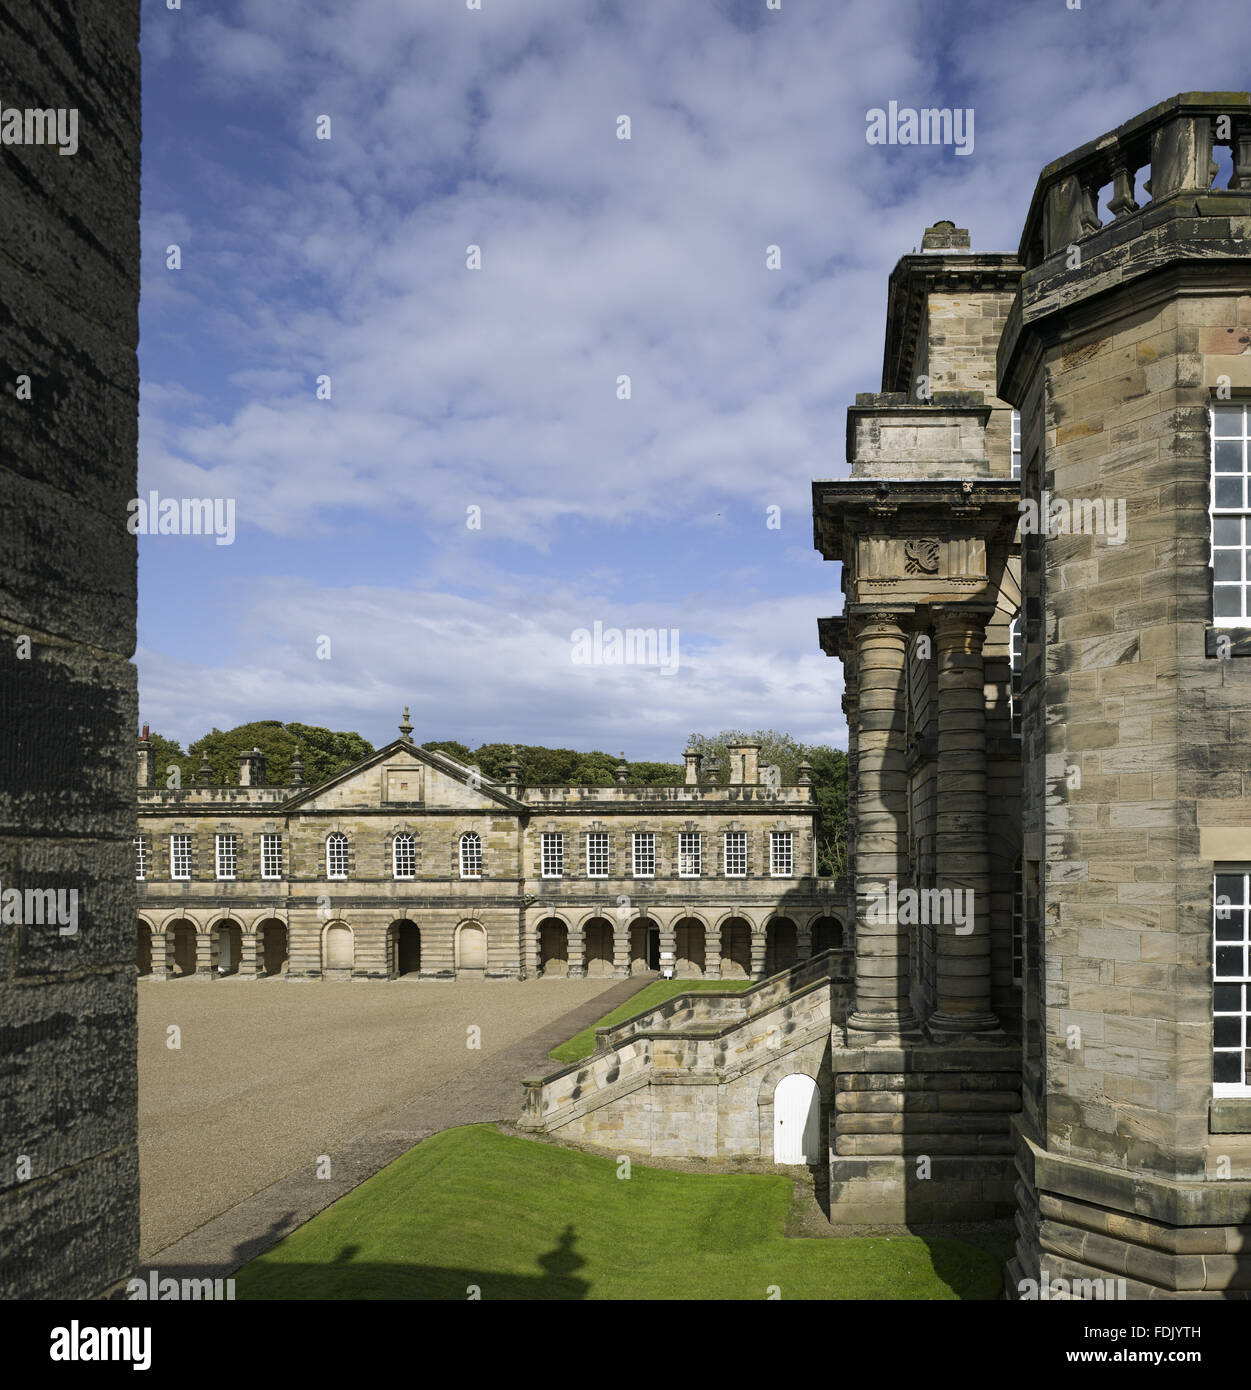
[
  {"x": 693, "y": 760},
  {"x": 147, "y": 761},
  {"x": 252, "y": 768}
]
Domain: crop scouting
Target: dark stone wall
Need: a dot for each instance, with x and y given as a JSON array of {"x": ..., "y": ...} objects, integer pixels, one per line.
[{"x": 69, "y": 299}]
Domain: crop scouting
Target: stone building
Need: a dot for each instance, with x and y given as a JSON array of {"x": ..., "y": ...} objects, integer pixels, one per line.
[
  {"x": 1045, "y": 544},
  {"x": 413, "y": 864}
]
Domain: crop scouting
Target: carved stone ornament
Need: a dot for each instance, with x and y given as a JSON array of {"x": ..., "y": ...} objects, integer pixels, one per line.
[{"x": 922, "y": 556}]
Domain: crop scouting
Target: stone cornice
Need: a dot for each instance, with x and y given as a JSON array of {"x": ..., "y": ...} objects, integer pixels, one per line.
[{"x": 844, "y": 508}]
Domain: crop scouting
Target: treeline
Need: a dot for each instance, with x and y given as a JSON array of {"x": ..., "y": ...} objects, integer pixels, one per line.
[{"x": 326, "y": 752}]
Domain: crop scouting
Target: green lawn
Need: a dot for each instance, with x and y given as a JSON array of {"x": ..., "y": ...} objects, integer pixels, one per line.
[
  {"x": 583, "y": 1043},
  {"x": 519, "y": 1219}
]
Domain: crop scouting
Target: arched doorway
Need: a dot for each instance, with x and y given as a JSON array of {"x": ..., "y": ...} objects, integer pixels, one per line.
[
  {"x": 143, "y": 950},
  {"x": 598, "y": 935},
  {"x": 689, "y": 945},
  {"x": 182, "y": 934},
  {"x": 553, "y": 947},
  {"x": 273, "y": 947},
  {"x": 339, "y": 949},
  {"x": 471, "y": 948},
  {"x": 644, "y": 946},
  {"x": 827, "y": 935},
  {"x": 229, "y": 947},
  {"x": 781, "y": 945},
  {"x": 796, "y": 1120},
  {"x": 735, "y": 949},
  {"x": 407, "y": 948}
]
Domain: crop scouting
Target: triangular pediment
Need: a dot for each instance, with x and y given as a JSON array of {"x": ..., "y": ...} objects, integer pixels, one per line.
[{"x": 404, "y": 775}]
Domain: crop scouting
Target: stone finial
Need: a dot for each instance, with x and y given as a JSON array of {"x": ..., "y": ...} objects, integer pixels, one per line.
[
  {"x": 693, "y": 760},
  {"x": 406, "y": 728},
  {"x": 713, "y": 768},
  {"x": 297, "y": 768},
  {"x": 805, "y": 773},
  {"x": 204, "y": 775},
  {"x": 622, "y": 771},
  {"x": 147, "y": 761},
  {"x": 512, "y": 772},
  {"x": 946, "y": 237}
]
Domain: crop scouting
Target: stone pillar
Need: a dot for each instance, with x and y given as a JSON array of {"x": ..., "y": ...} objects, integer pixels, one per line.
[
  {"x": 162, "y": 956},
  {"x": 712, "y": 953},
  {"x": 803, "y": 943},
  {"x": 251, "y": 956},
  {"x": 577, "y": 953},
  {"x": 962, "y": 851},
  {"x": 882, "y": 1005},
  {"x": 206, "y": 954},
  {"x": 621, "y": 948},
  {"x": 759, "y": 949},
  {"x": 669, "y": 944}
]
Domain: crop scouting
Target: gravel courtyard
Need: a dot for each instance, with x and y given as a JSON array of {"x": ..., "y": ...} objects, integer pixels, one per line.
[{"x": 271, "y": 1074}]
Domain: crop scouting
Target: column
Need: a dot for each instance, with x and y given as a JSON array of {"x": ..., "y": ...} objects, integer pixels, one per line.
[
  {"x": 668, "y": 942},
  {"x": 251, "y": 959},
  {"x": 882, "y": 983},
  {"x": 712, "y": 952},
  {"x": 206, "y": 953},
  {"x": 803, "y": 943},
  {"x": 962, "y": 852},
  {"x": 759, "y": 948},
  {"x": 621, "y": 948},
  {"x": 577, "y": 953}
]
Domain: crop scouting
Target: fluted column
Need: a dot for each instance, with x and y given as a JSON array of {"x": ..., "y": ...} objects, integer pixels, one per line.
[
  {"x": 882, "y": 983},
  {"x": 962, "y": 850}
]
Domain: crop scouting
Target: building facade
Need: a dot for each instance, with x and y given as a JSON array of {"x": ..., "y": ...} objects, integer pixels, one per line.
[
  {"x": 413, "y": 864},
  {"x": 1045, "y": 543}
]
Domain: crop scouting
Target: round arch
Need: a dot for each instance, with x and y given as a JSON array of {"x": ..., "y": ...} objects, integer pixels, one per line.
[
  {"x": 471, "y": 947},
  {"x": 338, "y": 949}
]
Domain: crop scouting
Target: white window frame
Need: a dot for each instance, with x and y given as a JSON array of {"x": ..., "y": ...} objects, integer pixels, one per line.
[
  {"x": 779, "y": 839},
  {"x": 271, "y": 854},
  {"x": 740, "y": 839},
  {"x": 1016, "y": 444},
  {"x": 1016, "y": 662},
  {"x": 690, "y": 853},
  {"x": 1238, "y": 910},
  {"x": 226, "y": 855},
  {"x": 471, "y": 855},
  {"x": 643, "y": 849},
  {"x": 409, "y": 842},
  {"x": 601, "y": 854},
  {"x": 179, "y": 845},
  {"x": 141, "y": 858},
  {"x": 552, "y": 854},
  {"x": 1239, "y": 414},
  {"x": 339, "y": 841}
]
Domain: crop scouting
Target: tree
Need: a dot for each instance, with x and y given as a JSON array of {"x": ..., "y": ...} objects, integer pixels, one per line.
[
  {"x": 166, "y": 754},
  {"x": 324, "y": 752}
]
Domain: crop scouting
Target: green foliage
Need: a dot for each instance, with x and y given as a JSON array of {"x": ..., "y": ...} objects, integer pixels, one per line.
[
  {"x": 451, "y": 748},
  {"x": 656, "y": 774},
  {"x": 165, "y": 754},
  {"x": 325, "y": 752},
  {"x": 583, "y": 1044}
]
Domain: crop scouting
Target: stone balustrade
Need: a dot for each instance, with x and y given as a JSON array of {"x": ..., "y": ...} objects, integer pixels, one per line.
[{"x": 1176, "y": 139}]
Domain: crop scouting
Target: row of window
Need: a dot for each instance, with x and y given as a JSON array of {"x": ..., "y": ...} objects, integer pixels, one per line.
[{"x": 552, "y": 855}]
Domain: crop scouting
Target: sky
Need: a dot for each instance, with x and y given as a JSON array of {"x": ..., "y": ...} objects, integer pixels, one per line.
[{"x": 436, "y": 478}]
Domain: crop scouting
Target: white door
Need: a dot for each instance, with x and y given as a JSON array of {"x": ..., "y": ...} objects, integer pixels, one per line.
[{"x": 796, "y": 1117}]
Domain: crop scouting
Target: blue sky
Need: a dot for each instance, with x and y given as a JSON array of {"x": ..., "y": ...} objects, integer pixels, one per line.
[{"x": 497, "y": 388}]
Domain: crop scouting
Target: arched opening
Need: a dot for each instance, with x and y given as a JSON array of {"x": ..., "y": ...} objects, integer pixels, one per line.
[
  {"x": 644, "y": 946},
  {"x": 273, "y": 947},
  {"x": 689, "y": 944},
  {"x": 407, "y": 938},
  {"x": 471, "y": 948},
  {"x": 339, "y": 950},
  {"x": 781, "y": 945},
  {"x": 827, "y": 935},
  {"x": 143, "y": 950},
  {"x": 796, "y": 1120},
  {"x": 229, "y": 947},
  {"x": 598, "y": 947},
  {"x": 182, "y": 934},
  {"x": 553, "y": 947},
  {"x": 735, "y": 949}
]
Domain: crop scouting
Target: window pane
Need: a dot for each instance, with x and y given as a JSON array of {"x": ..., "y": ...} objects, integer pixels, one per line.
[
  {"x": 1227, "y": 1032},
  {"x": 1226, "y": 601},
  {"x": 1230, "y": 887},
  {"x": 1230, "y": 928},
  {"x": 1228, "y": 454},
  {"x": 1226, "y": 421},
  {"x": 1227, "y": 530},
  {"x": 1228, "y": 998},
  {"x": 1227, "y": 565},
  {"x": 1226, "y": 1067},
  {"x": 1229, "y": 492},
  {"x": 1229, "y": 964}
]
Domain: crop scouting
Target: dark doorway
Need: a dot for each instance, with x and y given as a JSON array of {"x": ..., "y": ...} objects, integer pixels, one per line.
[
  {"x": 273, "y": 948},
  {"x": 143, "y": 958},
  {"x": 407, "y": 948},
  {"x": 653, "y": 948}
]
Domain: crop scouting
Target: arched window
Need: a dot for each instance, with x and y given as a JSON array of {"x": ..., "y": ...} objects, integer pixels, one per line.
[
  {"x": 336, "y": 855},
  {"x": 404, "y": 855},
  {"x": 471, "y": 855}
]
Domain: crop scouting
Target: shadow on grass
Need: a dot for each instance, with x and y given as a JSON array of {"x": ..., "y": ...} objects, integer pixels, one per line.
[{"x": 343, "y": 1279}]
